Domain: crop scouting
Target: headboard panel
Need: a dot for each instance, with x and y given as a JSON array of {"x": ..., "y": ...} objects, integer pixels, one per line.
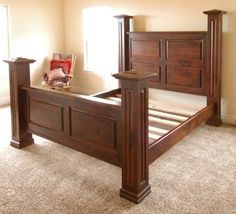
[
  {"x": 179, "y": 59},
  {"x": 187, "y": 62}
]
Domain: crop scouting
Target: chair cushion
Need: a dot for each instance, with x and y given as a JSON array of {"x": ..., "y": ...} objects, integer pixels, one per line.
[
  {"x": 64, "y": 64},
  {"x": 55, "y": 74}
]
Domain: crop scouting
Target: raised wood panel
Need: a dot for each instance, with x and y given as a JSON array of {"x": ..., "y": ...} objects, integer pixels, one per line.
[
  {"x": 184, "y": 49},
  {"x": 145, "y": 49},
  {"x": 46, "y": 114},
  {"x": 108, "y": 151},
  {"x": 93, "y": 128},
  {"x": 183, "y": 53},
  {"x": 181, "y": 76},
  {"x": 148, "y": 68}
]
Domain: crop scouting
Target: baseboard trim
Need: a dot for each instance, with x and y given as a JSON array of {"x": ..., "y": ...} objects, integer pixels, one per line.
[
  {"x": 4, "y": 101},
  {"x": 229, "y": 119}
]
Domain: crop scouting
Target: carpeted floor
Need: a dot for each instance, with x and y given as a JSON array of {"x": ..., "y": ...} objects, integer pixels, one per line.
[{"x": 198, "y": 175}]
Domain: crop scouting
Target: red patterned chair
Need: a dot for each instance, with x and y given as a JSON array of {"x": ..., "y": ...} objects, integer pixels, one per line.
[{"x": 61, "y": 71}]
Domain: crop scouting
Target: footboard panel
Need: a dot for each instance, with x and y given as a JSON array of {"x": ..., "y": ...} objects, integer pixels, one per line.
[{"x": 88, "y": 124}]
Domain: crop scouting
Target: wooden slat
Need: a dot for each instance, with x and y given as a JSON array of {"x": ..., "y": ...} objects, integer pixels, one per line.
[
  {"x": 114, "y": 99},
  {"x": 164, "y": 108},
  {"x": 163, "y": 121},
  {"x": 178, "y": 110},
  {"x": 165, "y": 142},
  {"x": 160, "y": 131},
  {"x": 161, "y": 125},
  {"x": 150, "y": 141},
  {"x": 163, "y": 118},
  {"x": 153, "y": 136},
  {"x": 165, "y": 115},
  {"x": 168, "y": 109},
  {"x": 155, "y": 133}
]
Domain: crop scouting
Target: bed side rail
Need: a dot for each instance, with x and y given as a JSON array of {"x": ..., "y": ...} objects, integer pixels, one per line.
[
  {"x": 161, "y": 145},
  {"x": 107, "y": 93}
]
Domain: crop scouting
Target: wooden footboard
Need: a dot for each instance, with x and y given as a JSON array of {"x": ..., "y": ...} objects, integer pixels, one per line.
[{"x": 87, "y": 124}]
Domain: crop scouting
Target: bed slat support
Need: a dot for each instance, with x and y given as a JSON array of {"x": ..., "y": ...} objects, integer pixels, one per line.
[
  {"x": 19, "y": 76},
  {"x": 214, "y": 63},
  {"x": 134, "y": 145}
]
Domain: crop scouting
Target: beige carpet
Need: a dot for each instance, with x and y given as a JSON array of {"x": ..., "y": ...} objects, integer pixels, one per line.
[{"x": 198, "y": 175}]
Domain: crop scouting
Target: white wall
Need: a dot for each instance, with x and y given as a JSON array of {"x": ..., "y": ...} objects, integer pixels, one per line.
[
  {"x": 36, "y": 31},
  {"x": 158, "y": 15}
]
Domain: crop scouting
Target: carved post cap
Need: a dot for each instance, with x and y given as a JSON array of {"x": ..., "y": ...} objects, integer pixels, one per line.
[
  {"x": 123, "y": 16},
  {"x": 19, "y": 60},
  {"x": 215, "y": 12},
  {"x": 134, "y": 75}
]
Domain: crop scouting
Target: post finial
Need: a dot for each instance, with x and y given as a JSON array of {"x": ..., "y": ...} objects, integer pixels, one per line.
[
  {"x": 19, "y": 60},
  {"x": 214, "y": 12},
  {"x": 134, "y": 75}
]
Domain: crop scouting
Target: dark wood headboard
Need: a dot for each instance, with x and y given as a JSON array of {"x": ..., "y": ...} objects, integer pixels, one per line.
[
  {"x": 178, "y": 58},
  {"x": 188, "y": 62}
]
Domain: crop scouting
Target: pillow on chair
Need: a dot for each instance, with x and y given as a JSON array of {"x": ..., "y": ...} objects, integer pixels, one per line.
[
  {"x": 64, "y": 64},
  {"x": 61, "y": 71},
  {"x": 55, "y": 74}
]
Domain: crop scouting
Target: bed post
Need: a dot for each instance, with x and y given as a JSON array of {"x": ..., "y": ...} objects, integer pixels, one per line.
[
  {"x": 214, "y": 63},
  {"x": 123, "y": 28},
  {"x": 19, "y": 76},
  {"x": 134, "y": 145}
]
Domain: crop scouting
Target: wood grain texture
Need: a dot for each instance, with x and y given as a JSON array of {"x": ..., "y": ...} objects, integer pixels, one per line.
[
  {"x": 178, "y": 58},
  {"x": 123, "y": 27},
  {"x": 79, "y": 122},
  {"x": 48, "y": 115},
  {"x": 134, "y": 117},
  {"x": 19, "y": 76},
  {"x": 214, "y": 63}
]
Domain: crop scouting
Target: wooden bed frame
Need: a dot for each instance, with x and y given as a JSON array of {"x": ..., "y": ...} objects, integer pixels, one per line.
[{"x": 188, "y": 62}]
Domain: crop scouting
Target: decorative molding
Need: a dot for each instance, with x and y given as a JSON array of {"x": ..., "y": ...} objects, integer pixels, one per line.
[{"x": 214, "y": 65}]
